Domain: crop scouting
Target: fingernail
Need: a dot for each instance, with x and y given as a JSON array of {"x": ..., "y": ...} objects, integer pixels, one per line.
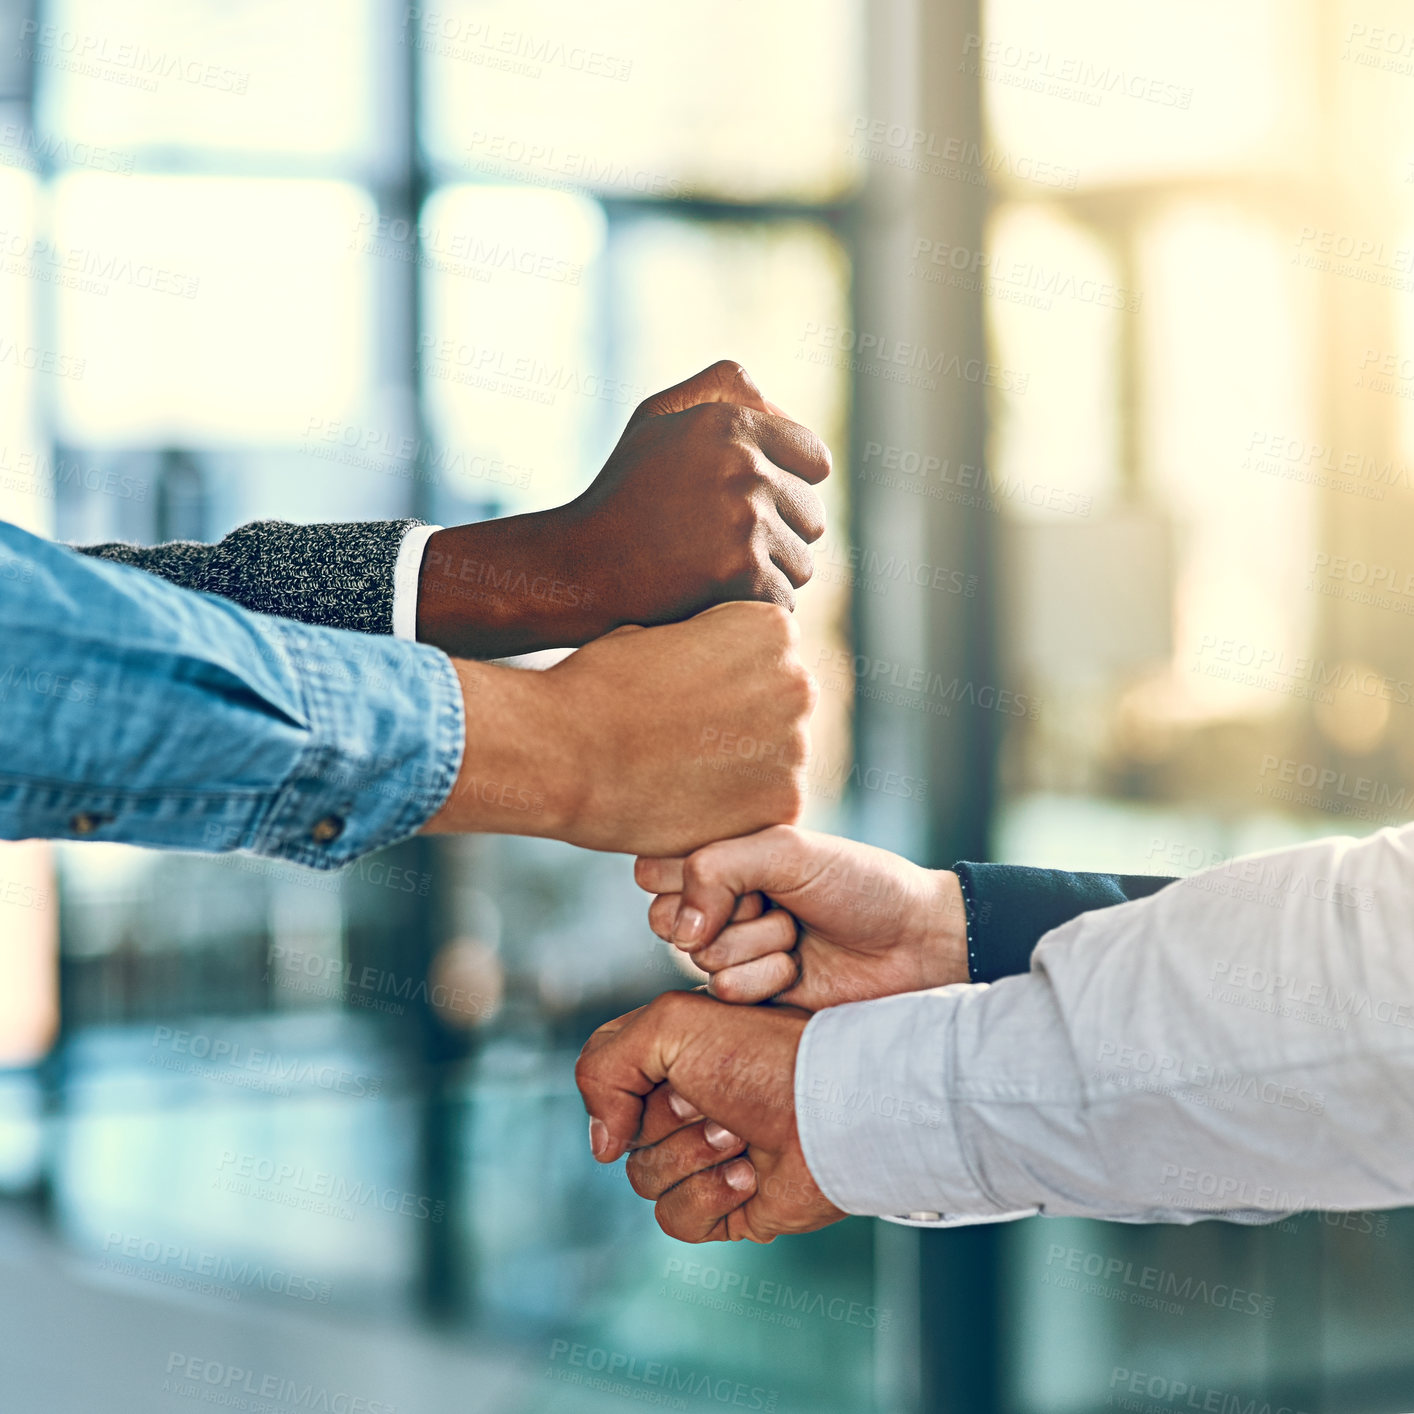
[
  {"x": 691, "y": 924},
  {"x": 719, "y": 1136},
  {"x": 598, "y": 1136},
  {"x": 740, "y": 1175},
  {"x": 684, "y": 1109}
]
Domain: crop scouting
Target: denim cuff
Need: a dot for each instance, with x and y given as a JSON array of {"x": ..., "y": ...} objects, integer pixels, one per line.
[{"x": 386, "y": 734}]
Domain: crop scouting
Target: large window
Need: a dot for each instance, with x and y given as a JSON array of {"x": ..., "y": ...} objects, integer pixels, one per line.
[
  {"x": 1208, "y": 505},
  {"x": 361, "y": 261}
]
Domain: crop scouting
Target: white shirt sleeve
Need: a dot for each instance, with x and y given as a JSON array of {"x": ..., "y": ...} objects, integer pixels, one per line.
[
  {"x": 1240, "y": 1045},
  {"x": 405, "y": 577}
]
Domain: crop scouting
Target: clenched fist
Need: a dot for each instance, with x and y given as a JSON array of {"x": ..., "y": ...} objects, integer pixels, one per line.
[
  {"x": 649, "y": 1078},
  {"x": 616, "y": 747},
  {"x": 809, "y": 919},
  {"x": 707, "y": 498}
]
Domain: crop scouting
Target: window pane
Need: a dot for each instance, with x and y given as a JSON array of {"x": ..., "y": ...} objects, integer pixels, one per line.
[
  {"x": 210, "y": 309},
  {"x": 1055, "y": 301},
  {"x": 692, "y": 292},
  {"x": 1228, "y": 349},
  {"x": 1108, "y": 91},
  {"x": 1372, "y": 44},
  {"x": 205, "y": 76},
  {"x": 1386, "y": 371},
  {"x": 24, "y": 356},
  {"x": 661, "y": 101},
  {"x": 512, "y": 373},
  {"x": 13, "y": 67}
]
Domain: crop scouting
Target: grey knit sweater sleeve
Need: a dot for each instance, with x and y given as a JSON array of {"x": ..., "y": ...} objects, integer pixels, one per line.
[{"x": 340, "y": 576}]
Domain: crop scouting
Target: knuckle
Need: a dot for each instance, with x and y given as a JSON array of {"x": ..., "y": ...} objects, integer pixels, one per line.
[
  {"x": 758, "y": 509},
  {"x": 783, "y": 925},
  {"x": 671, "y": 1223},
  {"x": 665, "y": 1004},
  {"x": 711, "y": 421},
  {"x": 778, "y": 623},
  {"x": 728, "y": 370},
  {"x": 762, "y": 583},
  {"x": 698, "y": 872},
  {"x": 728, "y": 421},
  {"x": 672, "y": 1009},
  {"x": 807, "y": 690},
  {"x": 794, "y": 799},
  {"x": 752, "y": 469},
  {"x": 757, "y": 567},
  {"x": 728, "y": 987},
  {"x": 755, "y": 574},
  {"x": 799, "y": 693},
  {"x": 743, "y": 521}
]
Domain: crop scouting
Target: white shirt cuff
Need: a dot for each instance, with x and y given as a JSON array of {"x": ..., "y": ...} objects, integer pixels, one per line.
[
  {"x": 875, "y": 1111},
  {"x": 405, "y": 576}
]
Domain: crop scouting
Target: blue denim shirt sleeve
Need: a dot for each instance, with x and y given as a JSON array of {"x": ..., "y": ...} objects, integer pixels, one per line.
[{"x": 137, "y": 712}]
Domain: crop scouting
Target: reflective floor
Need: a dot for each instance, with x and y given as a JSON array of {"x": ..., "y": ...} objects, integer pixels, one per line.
[{"x": 257, "y": 1227}]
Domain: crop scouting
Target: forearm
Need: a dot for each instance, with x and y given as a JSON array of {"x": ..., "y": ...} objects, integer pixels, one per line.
[
  {"x": 488, "y": 590},
  {"x": 1238, "y": 1045},
  {"x": 137, "y": 712},
  {"x": 335, "y": 575},
  {"x": 519, "y": 774},
  {"x": 508, "y": 586},
  {"x": 186, "y": 722}
]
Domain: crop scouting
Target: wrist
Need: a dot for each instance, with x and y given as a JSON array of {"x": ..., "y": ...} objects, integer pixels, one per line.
[
  {"x": 517, "y": 776},
  {"x": 943, "y": 940},
  {"x": 514, "y": 585}
]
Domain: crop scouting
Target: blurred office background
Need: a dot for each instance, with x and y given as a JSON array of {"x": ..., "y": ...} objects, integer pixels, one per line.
[{"x": 1106, "y": 313}]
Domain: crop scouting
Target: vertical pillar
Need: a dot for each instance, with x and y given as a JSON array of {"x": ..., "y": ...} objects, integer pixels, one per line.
[{"x": 924, "y": 393}]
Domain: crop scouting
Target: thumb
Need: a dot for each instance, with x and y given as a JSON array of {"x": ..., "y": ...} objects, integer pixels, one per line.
[
  {"x": 714, "y": 877},
  {"x": 625, "y": 1060},
  {"x": 726, "y": 381}
]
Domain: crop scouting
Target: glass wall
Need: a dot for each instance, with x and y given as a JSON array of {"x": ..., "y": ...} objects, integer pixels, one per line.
[
  {"x": 1105, "y": 312},
  {"x": 1207, "y": 505},
  {"x": 358, "y": 261}
]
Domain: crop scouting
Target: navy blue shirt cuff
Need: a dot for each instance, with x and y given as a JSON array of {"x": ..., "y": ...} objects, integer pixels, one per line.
[{"x": 1011, "y": 907}]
